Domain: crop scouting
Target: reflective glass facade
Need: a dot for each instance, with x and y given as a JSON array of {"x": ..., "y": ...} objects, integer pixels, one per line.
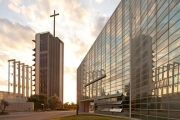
[{"x": 135, "y": 58}]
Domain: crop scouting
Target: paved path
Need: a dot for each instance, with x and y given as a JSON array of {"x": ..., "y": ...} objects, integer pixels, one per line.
[{"x": 36, "y": 115}]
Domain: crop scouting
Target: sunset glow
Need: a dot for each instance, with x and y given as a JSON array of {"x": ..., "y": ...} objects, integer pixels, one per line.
[{"x": 78, "y": 25}]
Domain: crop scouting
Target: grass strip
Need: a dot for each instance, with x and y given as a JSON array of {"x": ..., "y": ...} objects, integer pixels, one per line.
[{"x": 88, "y": 117}]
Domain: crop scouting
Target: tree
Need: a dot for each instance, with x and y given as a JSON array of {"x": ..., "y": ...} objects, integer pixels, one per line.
[
  {"x": 73, "y": 106},
  {"x": 54, "y": 102},
  {"x": 69, "y": 106},
  {"x": 3, "y": 105},
  {"x": 66, "y": 105},
  {"x": 38, "y": 100}
]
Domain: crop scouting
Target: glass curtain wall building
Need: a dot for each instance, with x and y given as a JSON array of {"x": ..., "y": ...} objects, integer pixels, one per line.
[{"x": 132, "y": 69}]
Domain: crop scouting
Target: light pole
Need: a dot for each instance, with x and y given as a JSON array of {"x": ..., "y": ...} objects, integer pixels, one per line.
[{"x": 42, "y": 106}]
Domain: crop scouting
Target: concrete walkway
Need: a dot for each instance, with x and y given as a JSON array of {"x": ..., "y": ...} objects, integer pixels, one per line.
[{"x": 36, "y": 115}]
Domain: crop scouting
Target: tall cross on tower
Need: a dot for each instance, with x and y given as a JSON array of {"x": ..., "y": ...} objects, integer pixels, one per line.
[{"x": 54, "y": 20}]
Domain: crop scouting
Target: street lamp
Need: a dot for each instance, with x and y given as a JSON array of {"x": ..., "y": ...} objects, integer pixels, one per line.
[{"x": 42, "y": 106}]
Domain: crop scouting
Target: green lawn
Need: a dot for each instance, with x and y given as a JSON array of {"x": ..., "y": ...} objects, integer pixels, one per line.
[{"x": 88, "y": 117}]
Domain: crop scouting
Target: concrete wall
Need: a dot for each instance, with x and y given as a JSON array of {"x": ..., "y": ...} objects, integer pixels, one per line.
[
  {"x": 37, "y": 58},
  {"x": 11, "y": 98},
  {"x": 61, "y": 72},
  {"x": 28, "y": 106}
]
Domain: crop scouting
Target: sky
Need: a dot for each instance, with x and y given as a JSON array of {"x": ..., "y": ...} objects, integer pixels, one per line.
[{"x": 78, "y": 25}]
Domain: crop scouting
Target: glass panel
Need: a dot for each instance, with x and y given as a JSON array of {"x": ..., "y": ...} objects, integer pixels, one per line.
[
  {"x": 174, "y": 19},
  {"x": 162, "y": 38},
  {"x": 174, "y": 53},
  {"x": 162, "y": 53},
  {"x": 174, "y": 11},
  {"x": 163, "y": 22},
  {"x": 174, "y": 28},
  {"x": 174, "y": 45}
]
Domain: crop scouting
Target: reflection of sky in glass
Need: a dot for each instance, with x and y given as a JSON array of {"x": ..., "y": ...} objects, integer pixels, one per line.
[
  {"x": 174, "y": 19},
  {"x": 113, "y": 40},
  {"x": 166, "y": 47}
]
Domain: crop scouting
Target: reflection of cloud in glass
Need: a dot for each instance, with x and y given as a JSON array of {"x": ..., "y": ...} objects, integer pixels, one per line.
[
  {"x": 162, "y": 60},
  {"x": 174, "y": 19},
  {"x": 174, "y": 53},
  {"x": 174, "y": 45}
]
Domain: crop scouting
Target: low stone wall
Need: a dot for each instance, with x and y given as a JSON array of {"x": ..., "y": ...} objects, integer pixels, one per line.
[
  {"x": 27, "y": 106},
  {"x": 12, "y": 98}
]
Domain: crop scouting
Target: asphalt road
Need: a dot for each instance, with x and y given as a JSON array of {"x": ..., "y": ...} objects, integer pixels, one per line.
[{"x": 36, "y": 115}]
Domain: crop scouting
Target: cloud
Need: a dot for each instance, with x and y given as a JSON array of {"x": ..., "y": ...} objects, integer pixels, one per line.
[
  {"x": 77, "y": 25},
  {"x": 80, "y": 47},
  {"x": 15, "y": 36},
  {"x": 44, "y": 5},
  {"x": 13, "y": 8},
  {"x": 36, "y": 14},
  {"x": 73, "y": 15},
  {"x": 42, "y": 9},
  {"x": 4, "y": 82},
  {"x": 3, "y": 60},
  {"x": 98, "y": 24},
  {"x": 14, "y": 4},
  {"x": 78, "y": 10},
  {"x": 70, "y": 71},
  {"x": 99, "y": 1},
  {"x": 16, "y": 43}
]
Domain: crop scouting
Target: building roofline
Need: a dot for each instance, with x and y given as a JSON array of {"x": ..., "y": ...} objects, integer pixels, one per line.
[
  {"x": 59, "y": 40},
  {"x": 11, "y": 60},
  {"x": 50, "y": 34},
  {"x": 43, "y": 32}
]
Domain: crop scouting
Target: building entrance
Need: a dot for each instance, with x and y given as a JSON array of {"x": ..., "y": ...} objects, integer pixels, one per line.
[
  {"x": 86, "y": 106},
  {"x": 91, "y": 107}
]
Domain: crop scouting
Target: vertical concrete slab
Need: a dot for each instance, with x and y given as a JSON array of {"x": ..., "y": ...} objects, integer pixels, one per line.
[
  {"x": 86, "y": 106},
  {"x": 83, "y": 106}
]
